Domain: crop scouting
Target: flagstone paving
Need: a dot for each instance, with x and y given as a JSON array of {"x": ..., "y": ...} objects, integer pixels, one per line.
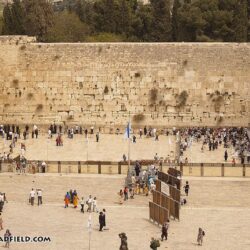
[{"x": 221, "y": 206}]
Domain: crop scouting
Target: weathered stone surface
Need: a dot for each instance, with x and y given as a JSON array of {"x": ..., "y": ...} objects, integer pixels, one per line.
[{"x": 117, "y": 78}]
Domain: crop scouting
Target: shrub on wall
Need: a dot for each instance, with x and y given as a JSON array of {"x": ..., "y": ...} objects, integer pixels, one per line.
[
  {"x": 181, "y": 99},
  {"x": 139, "y": 117},
  {"x": 39, "y": 107},
  {"x": 106, "y": 90},
  {"x": 153, "y": 95}
]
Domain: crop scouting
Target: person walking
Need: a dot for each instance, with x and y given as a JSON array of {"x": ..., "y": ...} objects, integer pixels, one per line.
[
  {"x": 164, "y": 230},
  {"x": 154, "y": 244},
  {"x": 7, "y": 236},
  {"x": 66, "y": 200},
  {"x": 186, "y": 188},
  {"x": 101, "y": 221},
  {"x": 82, "y": 203},
  {"x": 39, "y": 197},
  {"x": 32, "y": 197},
  {"x": 200, "y": 236},
  {"x": 75, "y": 199},
  {"x": 1, "y": 222}
]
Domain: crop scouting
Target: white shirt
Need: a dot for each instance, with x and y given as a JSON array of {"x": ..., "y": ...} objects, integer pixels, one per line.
[
  {"x": 32, "y": 193},
  {"x": 1, "y": 197},
  {"x": 39, "y": 193}
]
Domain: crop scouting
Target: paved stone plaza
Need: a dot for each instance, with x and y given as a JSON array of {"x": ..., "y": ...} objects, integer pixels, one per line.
[
  {"x": 111, "y": 148},
  {"x": 221, "y": 206}
]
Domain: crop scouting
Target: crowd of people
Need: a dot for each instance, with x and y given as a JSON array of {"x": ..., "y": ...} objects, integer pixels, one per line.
[{"x": 236, "y": 139}]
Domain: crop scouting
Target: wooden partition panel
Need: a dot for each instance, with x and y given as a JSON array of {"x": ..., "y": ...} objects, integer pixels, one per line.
[{"x": 158, "y": 214}]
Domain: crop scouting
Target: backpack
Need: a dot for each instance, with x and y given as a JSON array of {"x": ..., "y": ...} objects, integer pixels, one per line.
[{"x": 203, "y": 233}]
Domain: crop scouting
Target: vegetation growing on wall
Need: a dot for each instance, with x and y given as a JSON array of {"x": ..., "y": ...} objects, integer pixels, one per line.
[
  {"x": 181, "y": 99},
  {"x": 153, "y": 95},
  {"x": 138, "y": 118}
]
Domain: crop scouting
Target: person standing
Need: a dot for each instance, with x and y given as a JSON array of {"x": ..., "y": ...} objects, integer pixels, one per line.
[
  {"x": 7, "y": 236},
  {"x": 186, "y": 188},
  {"x": 101, "y": 221},
  {"x": 32, "y": 197},
  {"x": 200, "y": 236},
  {"x": 39, "y": 197},
  {"x": 164, "y": 230},
  {"x": 225, "y": 155},
  {"x": 89, "y": 203},
  {"x": 1, "y": 222},
  {"x": 104, "y": 218},
  {"x": 125, "y": 192},
  {"x": 95, "y": 209},
  {"x": 97, "y": 137},
  {"x": 82, "y": 203}
]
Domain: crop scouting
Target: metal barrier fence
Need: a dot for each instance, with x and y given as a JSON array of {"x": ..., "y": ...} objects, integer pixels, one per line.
[{"x": 109, "y": 167}]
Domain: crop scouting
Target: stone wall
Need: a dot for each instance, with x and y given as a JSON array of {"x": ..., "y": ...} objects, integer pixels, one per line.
[{"x": 159, "y": 84}]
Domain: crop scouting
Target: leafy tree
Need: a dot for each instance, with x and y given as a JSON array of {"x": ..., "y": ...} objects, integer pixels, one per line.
[
  {"x": 7, "y": 21},
  {"x": 38, "y": 18},
  {"x": 142, "y": 22},
  {"x": 240, "y": 21},
  {"x": 67, "y": 28},
  {"x": 18, "y": 16},
  {"x": 176, "y": 6},
  {"x": 248, "y": 17},
  {"x": 161, "y": 24}
]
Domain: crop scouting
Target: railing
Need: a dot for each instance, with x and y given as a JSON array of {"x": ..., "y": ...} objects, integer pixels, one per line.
[{"x": 110, "y": 167}]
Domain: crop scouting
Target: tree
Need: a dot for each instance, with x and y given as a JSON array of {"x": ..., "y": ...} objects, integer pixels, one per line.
[
  {"x": 18, "y": 16},
  {"x": 161, "y": 24},
  {"x": 105, "y": 16},
  {"x": 240, "y": 21},
  {"x": 142, "y": 22},
  {"x": 7, "y": 21},
  {"x": 176, "y": 6},
  {"x": 67, "y": 27},
  {"x": 38, "y": 18},
  {"x": 248, "y": 17}
]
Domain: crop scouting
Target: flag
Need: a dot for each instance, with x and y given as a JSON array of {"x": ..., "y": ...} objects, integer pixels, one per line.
[{"x": 127, "y": 131}]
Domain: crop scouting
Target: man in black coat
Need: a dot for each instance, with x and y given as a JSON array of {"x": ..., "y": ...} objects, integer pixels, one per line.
[{"x": 101, "y": 221}]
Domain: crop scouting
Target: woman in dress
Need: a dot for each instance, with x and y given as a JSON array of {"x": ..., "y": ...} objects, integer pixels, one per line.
[
  {"x": 75, "y": 200},
  {"x": 66, "y": 200}
]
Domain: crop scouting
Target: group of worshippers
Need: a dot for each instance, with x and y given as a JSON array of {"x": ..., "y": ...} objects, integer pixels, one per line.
[
  {"x": 213, "y": 138},
  {"x": 71, "y": 197},
  {"x": 139, "y": 182}
]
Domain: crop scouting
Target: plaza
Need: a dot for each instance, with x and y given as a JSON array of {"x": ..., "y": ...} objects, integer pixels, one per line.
[{"x": 220, "y": 206}]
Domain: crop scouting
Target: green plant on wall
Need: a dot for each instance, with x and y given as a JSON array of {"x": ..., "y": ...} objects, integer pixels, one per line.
[
  {"x": 138, "y": 118},
  {"x": 181, "y": 99}
]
